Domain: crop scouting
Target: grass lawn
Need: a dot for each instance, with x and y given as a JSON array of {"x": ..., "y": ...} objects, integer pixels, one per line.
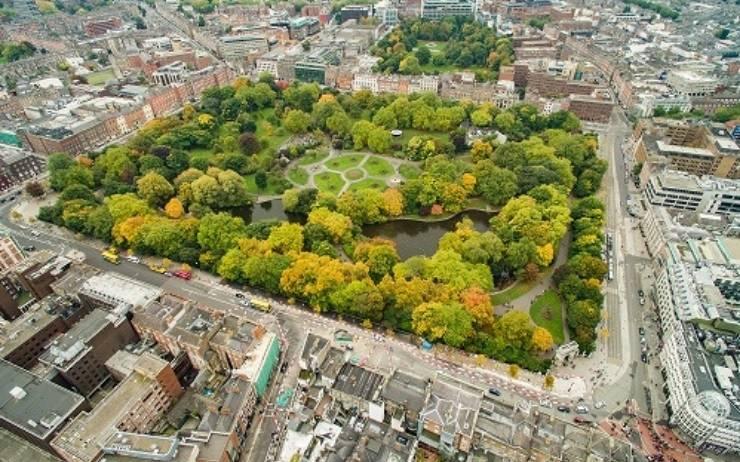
[
  {"x": 344, "y": 162},
  {"x": 329, "y": 182},
  {"x": 369, "y": 183},
  {"x": 409, "y": 171},
  {"x": 376, "y": 166},
  {"x": 354, "y": 174},
  {"x": 547, "y": 312},
  {"x": 201, "y": 153},
  {"x": 313, "y": 157},
  {"x": 298, "y": 176},
  {"x": 100, "y": 77},
  {"x": 410, "y": 133},
  {"x": 512, "y": 293},
  {"x": 253, "y": 189}
]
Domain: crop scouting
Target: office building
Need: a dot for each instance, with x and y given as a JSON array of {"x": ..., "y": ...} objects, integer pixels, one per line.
[
  {"x": 679, "y": 190},
  {"x": 25, "y": 339},
  {"x": 115, "y": 292},
  {"x": 237, "y": 47},
  {"x": 438, "y": 9},
  {"x": 34, "y": 408},
  {"x": 690, "y": 83}
]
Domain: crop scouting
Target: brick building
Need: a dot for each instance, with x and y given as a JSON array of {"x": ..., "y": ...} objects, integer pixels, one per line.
[
  {"x": 134, "y": 405},
  {"x": 590, "y": 109},
  {"x": 24, "y": 340},
  {"x": 94, "y": 130},
  {"x": 98, "y": 27},
  {"x": 80, "y": 354},
  {"x": 17, "y": 166}
]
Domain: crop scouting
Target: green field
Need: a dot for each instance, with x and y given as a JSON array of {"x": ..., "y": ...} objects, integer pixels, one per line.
[
  {"x": 329, "y": 182},
  {"x": 312, "y": 157},
  {"x": 547, "y": 311},
  {"x": 298, "y": 176},
  {"x": 376, "y": 166},
  {"x": 344, "y": 162},
  {"x": 410, "y": 133},
  {"x": 100, "y": 77},
  {"x": 409, "y": 171},
  {"x": 369, "y": 183}
]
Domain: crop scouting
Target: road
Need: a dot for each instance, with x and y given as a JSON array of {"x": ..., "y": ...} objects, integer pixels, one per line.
[{"x": 624, "y": 313}]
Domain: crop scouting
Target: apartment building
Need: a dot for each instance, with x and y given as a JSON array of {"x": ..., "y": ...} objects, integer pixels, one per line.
[
  {"x": 80, "y": 354},
  {"x": 10, "y": 253},
  {"x": 357, "y": 387},
  {"x": 590, "y": 109},
  {"x": 134, "y": 405},
  {"x": 34, "y": 408}
]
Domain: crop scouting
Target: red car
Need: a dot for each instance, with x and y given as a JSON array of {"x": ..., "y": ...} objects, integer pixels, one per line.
[{"x": 182, "y": 274}]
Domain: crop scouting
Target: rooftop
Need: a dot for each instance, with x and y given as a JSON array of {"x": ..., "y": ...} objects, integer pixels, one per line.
[
  {"x": 359, "y": 382},
  {"x": 88, "y": 432},
  {"x": 161, "y": 312},
  {"x": 22, "y": 329},
  {"x": 15, "y": 449},
  {"x": 125, "y": 447},
  {"x": 313, "y": 346},
  {"x": 232, "y": 397},
  {"x": 115, "y": 289},
  {"x": 65, "y": 349},
  {"x": 35, "y": 405},
  {"x": 453, "y": 405},
  {"x": 195, "y": 326},
  {"x": 407, "y": 390}
]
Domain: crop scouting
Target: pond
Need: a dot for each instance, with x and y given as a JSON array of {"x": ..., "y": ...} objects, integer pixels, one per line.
[{"x": 412, "y": 237}]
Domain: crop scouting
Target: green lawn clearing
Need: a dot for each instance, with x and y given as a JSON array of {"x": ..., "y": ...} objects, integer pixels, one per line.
[
  {"x": 376, "y": 166},
  {"x": 298, "y": 176},
  {"x": 369, "y": 183},
  {"x": 344, "y": 162},
  {"x": 410, "y": 133},
  {"x": 409, "y": 171},
  {"x": 311, "y": 157},
  {"x": 547, "y": 311},
  {"x": 329, "y": 182}
]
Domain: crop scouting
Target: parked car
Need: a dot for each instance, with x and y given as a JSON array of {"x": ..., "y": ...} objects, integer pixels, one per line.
[
  {"x": 582, "y": 420},
  {"x": 494, "y": 391},
  {"x": 239, "y": 295},
  {"x": 35, "y": 233},
  {"x": 642, "y": 340},
  {"x": 644, "y": 358},
  {"x": 134, "y": 259},
  {"x": 641, "y": 330},
  {"x": 29, "y": 248},
  {"x": 641, "y": 293},
  {"x": 183, "y": 274},
  {"x": 582, "y": 409},
  {"x": 564, "y": 409},
  {"x": 545, "y": 403},
  {"x": 599, "y": 404}
]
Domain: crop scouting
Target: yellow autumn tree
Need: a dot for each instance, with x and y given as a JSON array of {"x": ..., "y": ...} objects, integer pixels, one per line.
[
  {"x": 174, "y": 208},
  {"x": 336, "y": 224},
  {"x": 478, "y": 303},
  {"x": 393, "y": 202},
  {"x": 542, "y": 339},
  {"x": 468, "y": 182},
  {"x": 125, "y": 231},
  {"x": 545, "y": 254}
]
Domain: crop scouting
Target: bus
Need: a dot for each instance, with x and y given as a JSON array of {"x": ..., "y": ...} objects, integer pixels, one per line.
[
  {"x": 260, "y": 304},
  {"x": 111, "y": 257}
]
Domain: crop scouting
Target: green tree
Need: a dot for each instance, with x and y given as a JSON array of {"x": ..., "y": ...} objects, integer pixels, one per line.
[
  {"x": 287, "y": 237},
  {"x": 423, "y": 54},
  {"x": 296, "y": 121},
  {"x": 154, "y": 188},
  {"x": 218, "y": 232},
  {"x": 410, "y": 65},
  {"x": 448, "y": 322}
]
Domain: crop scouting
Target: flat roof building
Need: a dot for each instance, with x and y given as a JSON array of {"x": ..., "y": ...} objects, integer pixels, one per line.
[
  {"x": 34, "y": 408},
  {"x": 134, "y": 405}
]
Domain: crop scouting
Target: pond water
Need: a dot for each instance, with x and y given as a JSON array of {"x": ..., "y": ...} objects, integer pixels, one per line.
[
  {"x": 412, "y": 237},
  {"x": 421, "y": 237}
]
